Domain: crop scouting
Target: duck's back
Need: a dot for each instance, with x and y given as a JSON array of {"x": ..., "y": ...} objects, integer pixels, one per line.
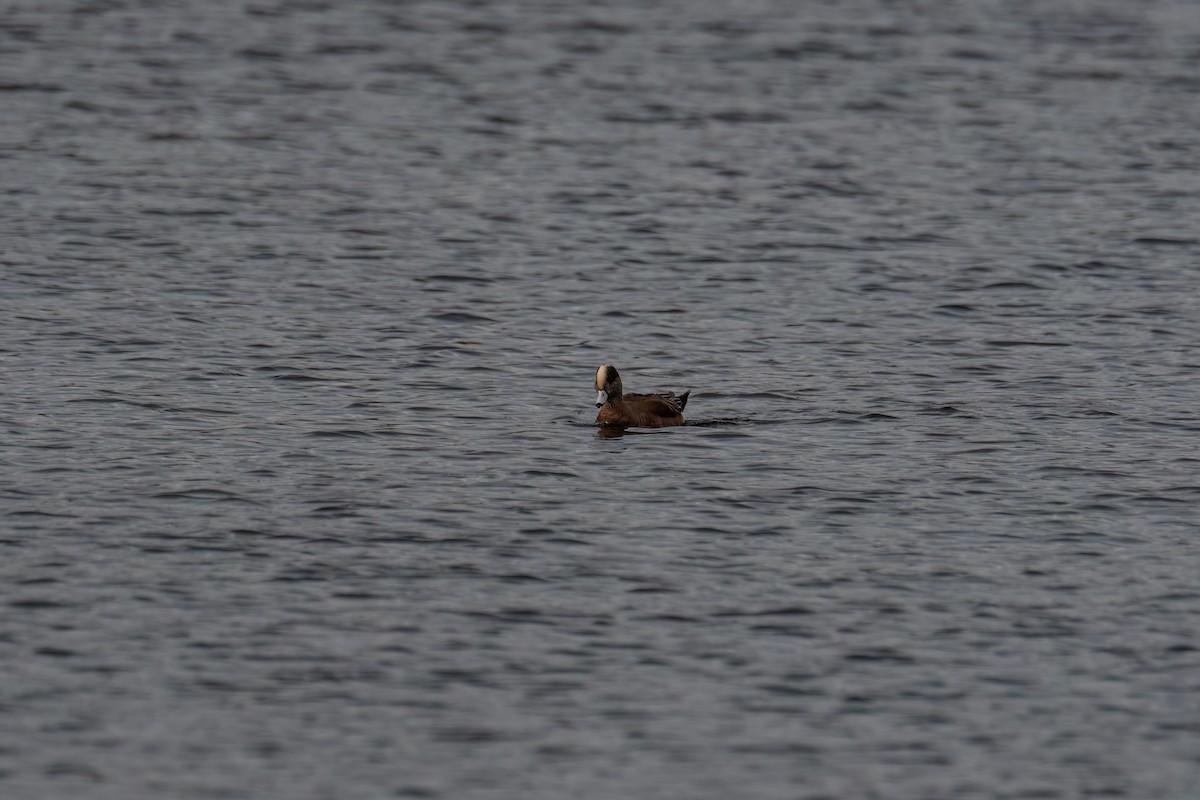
[{"x": 646, "y": 410}]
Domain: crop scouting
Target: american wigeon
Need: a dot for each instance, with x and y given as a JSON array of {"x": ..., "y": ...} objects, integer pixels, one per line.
[{"x": 658, "y": 410}]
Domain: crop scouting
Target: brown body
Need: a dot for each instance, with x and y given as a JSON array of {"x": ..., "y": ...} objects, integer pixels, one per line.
[{"x": 659, "y": 410}]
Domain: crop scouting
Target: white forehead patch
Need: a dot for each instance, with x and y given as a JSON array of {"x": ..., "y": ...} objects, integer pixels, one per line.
[{"x": 600, "y": 376}]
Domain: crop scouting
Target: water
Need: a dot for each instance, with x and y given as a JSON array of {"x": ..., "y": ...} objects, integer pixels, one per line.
[{"x": 302, "y": 304}]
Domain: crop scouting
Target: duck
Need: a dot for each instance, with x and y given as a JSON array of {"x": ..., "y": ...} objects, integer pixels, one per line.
[{"x": 657, "y": 410}]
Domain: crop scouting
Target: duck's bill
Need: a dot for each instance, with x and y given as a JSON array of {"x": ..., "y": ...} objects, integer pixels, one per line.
[{"x": 601, "y": 398}]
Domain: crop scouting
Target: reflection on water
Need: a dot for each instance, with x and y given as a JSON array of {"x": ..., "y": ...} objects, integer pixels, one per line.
[{"x": 613, "y": 431}]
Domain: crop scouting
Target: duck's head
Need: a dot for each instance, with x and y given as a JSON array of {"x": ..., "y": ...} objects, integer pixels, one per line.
[{"x": 608, "y": 384}]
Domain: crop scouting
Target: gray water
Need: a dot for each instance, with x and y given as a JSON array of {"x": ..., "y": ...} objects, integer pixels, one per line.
[{"x": 300, "y": 494}]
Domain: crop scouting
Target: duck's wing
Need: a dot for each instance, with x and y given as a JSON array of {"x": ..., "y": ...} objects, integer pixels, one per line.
[{"x": 668, "y": 403}]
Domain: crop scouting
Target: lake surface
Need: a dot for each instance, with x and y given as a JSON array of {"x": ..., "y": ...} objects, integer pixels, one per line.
[{"x": 300, "y": 493}]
